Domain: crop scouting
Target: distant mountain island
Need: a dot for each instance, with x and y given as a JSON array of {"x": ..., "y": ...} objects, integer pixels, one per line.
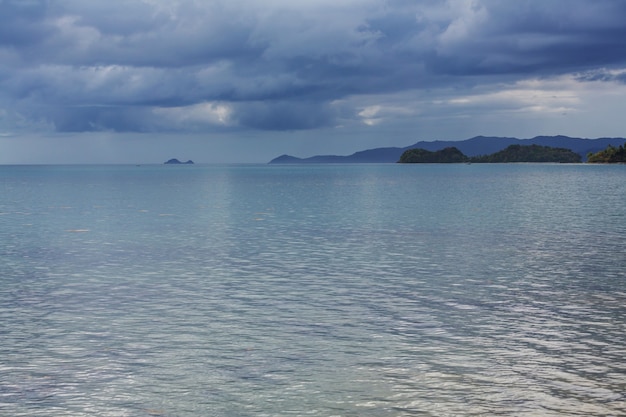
[
  {"x": 477, "y": 146},
  {"x": 175, "y": 161},
  {"x": 513, "y": 153}
]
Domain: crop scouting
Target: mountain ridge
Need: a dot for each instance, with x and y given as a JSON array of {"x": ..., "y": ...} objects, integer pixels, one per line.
[{"x": 476, "y": 146}]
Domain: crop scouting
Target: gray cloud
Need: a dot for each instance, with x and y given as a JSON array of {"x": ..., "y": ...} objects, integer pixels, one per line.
[
  {"x": 98, "y": 118},
  {"x": 602, "y": 75},
  {"x": 284, "y": 115},
  {"x": 280, "y": 65},
  {"x": 22, "y": 24}
]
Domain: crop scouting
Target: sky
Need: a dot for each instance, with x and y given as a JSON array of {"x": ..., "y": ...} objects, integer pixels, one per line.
[{"x": 143, "y": 81}]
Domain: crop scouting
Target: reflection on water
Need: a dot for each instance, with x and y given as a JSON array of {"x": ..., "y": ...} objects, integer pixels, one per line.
[{"x": 323, "y": 290}]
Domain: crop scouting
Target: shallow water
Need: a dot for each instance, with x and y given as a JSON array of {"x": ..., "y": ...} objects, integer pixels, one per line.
[{"x": 323, "y": 290}]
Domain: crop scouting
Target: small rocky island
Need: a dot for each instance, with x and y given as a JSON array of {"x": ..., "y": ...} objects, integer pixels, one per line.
[
  {"x": 175, "y": 161},
  {"x": 514, "y": 153}
]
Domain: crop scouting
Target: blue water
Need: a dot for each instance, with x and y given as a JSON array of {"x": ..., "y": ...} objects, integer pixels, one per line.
[{"x": 320, "y": 290}]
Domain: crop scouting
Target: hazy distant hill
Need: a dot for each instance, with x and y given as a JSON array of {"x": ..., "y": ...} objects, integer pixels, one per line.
[{"x": 479, "y": 145}]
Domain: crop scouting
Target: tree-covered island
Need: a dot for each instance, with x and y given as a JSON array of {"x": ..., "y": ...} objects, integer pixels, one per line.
[
  {"x": 531, "y": 153},
  {"x": 514, "y": 153},
  {"x": 611, "y": 155},
  {"x": 444, "y": 156}
]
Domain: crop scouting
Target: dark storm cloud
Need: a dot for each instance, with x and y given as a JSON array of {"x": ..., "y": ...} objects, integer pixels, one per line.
[
  {"x": 22, "y": 23},
  {"x": 532, "y": 37},
  {"x": 285, "y": 115},
  {"x": 280, "y": 65},
  {"x": 93, "y": 119}
]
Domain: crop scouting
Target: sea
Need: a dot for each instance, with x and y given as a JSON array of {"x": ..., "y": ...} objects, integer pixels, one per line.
[{"x": 313, "y": 290}]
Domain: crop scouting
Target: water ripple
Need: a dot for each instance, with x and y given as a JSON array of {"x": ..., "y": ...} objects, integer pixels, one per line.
[{"x": 369, "y": 291}]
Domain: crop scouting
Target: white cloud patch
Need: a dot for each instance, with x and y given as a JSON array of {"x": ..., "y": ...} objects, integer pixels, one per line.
[
  {"x": 197, "y": 115},
  {"x": 533, "y": 95},
  {"x": 368, "y": 115}
]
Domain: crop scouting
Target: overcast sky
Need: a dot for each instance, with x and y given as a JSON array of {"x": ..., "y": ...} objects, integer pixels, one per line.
[{"x": 140, "y": 81}]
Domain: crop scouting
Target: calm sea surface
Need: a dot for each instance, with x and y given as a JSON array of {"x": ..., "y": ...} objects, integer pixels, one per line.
[{"x": 322, "y": 290}]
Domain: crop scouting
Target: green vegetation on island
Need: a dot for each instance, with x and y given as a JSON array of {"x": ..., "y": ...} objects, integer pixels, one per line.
[
  {"x": 531, "y": 153},
  {"x": 611, "y": 155},
  {"x": 514, "y": 153},
  {"x": 444, "y": 156}
]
